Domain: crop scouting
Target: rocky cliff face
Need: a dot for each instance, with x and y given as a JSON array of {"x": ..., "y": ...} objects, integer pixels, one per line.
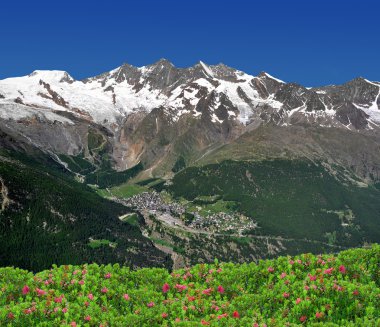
[{"x": 156, "y": 113}]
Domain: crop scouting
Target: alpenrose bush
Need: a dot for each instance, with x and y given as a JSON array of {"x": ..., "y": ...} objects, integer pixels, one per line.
[{"x": 310, "y": 290}]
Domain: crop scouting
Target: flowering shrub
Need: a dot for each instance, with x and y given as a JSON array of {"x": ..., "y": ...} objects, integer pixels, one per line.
[{"x": 324, "y": 290}]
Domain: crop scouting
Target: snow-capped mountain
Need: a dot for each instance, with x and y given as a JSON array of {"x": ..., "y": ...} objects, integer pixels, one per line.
[
  {"x": 218, "y": 91},
  {"x": 156, "y": 113}
]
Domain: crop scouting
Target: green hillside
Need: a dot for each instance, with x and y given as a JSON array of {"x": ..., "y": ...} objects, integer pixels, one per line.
[
  {"x": 47, "y": 217},
  {"x": 291, "y": 198}
]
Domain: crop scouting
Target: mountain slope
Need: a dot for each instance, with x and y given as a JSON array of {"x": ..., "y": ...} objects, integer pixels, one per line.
[
  {"x": 303, "y": 163},
  {"x": 46, "y": 217},
  {"x": 154, "y": 114},
  {"x": 296, "y": 199}
]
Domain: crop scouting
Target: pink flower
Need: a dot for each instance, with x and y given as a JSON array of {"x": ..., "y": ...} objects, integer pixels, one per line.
[
  {"x": 10, "y": 316},
  {"x": 164, "y": 315},
  {"x": 150, "y": 305},
  {"x": 58, "y": 299},
  {"x": 165, "y": 288},
  {"x": 107, "y": 276},
  {"x": 87, "y": 318},
  {"x": 86, "y": 303},
  {"x": 25, "y": 290},
  {"x": 126, "y": 297},
  {"x": 312, "y": 278},
  {"x": 356, "y": 292},
  {"x": 285, "y": 295},
  {"x": 319, "y": 315},
  {"x": 27, "y": 311},
  {"x": 40, "y": 292},
  {"x": 342, "y": 269},
  {"x": 236, "y": 314},
  {"x": 191, "y": 298},
  {"x": 298, "y": 301},
  {"x": 303, "y": 318},
  {"x": 64, "y": 310},
  {"x": 73, "y": 324},
  {"x": 104, "y": 290},
  {"x": 328, "y": 271},
  {"x": 283, "y": 275},
  {"x": 90, "y": 296},
  {"x": 223, "y": 315},
  {"x": 204, "y": 322},
  {"x": 180, "y": 288},
  {"x": 207, "y": 291},
  {"x": 220, "y": 289},
  {"x": 306, "y": 288},
  {"x": 270, "y": 269},
  {"x": 81, "y": 282},
  {"x": 56, "y": 309}
]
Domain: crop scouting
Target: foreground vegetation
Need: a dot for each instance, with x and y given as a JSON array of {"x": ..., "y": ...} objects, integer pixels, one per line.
[{"x": 324, "y": 290}]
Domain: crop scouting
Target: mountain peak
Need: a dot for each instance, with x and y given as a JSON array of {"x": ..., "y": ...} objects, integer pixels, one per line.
[
  {"x": 207, "y": 70},
  {"x": 59, "y": 76},
  {"x": 163, "y": 62},
  {"x": 265, "y": 74},
  {"x": 361, "y": 82}
]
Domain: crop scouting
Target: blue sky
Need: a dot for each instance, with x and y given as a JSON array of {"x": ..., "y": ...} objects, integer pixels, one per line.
[{"x": 310, "y": 42}]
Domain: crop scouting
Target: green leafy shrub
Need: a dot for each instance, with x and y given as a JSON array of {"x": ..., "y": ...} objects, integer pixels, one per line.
[{"x": 322, "y": 290}]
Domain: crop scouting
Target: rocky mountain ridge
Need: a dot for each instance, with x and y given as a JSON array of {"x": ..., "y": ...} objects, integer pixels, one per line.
[
  {"x": 127, "y": 89},
  {"x": 157, "y": 113}
]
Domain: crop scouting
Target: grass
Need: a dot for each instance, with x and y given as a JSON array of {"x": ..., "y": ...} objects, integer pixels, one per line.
[
  {"x": 104, "y": 193},
  {"x": 95, "y": 244},
  {"x": 128, "y": 190},
  {"x": 131, "y": 218}
]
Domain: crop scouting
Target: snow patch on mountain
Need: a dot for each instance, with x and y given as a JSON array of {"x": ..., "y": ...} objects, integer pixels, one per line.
[
  {"x": 274, "y": 78},
  {"x": 207, "y": 69},
  {"x": 108, "y": 98},
  {"x": 14, "y": 111}
]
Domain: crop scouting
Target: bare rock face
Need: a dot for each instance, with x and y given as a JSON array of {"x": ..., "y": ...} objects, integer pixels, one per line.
[
  {"x": 292, "y": 96},
  {"x": 348, "y": 114},
  {"x": 156, "y": 113}
]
